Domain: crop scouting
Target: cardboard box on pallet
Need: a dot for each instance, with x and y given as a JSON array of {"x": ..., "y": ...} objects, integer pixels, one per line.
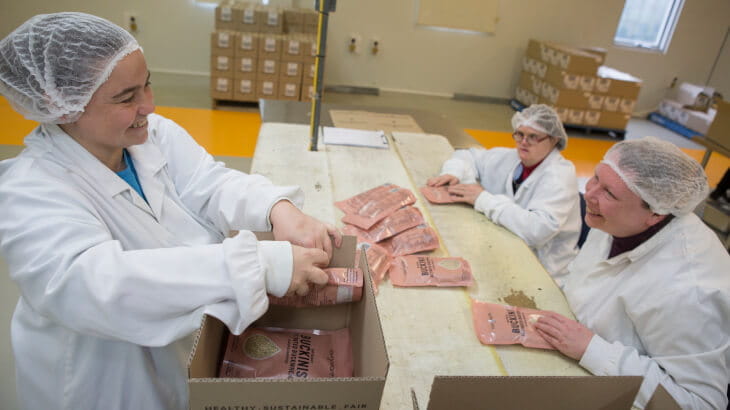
[
  {"x": 370, "y": 358},
  {"x": 267, "y": 87},
  {"x": 613, "y": 82},
  {"x": 268, "y": 67},
  {"x": 224, "y": 16},
  {"x": 309, "y": 48},
  {"x": 530, "y": 82},
  {"x": 222, "y": 42},
  {"x": 222, "y": 65},
  {"x": 293, "y": 21},
  {"x": 270, "y": 46},
  {"x": 221, "y": 87},
  {"x": 246, "y": 44},
  {"x": 272, "y": 19},
  {"x": 542, "y": 392},
  {"x": 244, "y": 87},
  {"x": 614, "y": 120},
  {"x": 565, "y": 98},
  {"x": 245, "y": 17},
  {"x": 291, "y": 71},
  {"x": 290, "y": 89},
  {"x": 291, "y": 48},
  {"x": 245, "y": 65},
  {"x": 308, "y": 72},
  {"x": 567, "y": 58}
]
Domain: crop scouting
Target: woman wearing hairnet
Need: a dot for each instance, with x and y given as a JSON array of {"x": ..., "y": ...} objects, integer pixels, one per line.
[
  {"x": 114, "y": 225},
  {"x": 651, "y": 286},
  {"x": 530, "y": 190}
]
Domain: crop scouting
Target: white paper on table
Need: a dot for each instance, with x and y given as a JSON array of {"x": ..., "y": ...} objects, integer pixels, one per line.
[{"x": 359, "y": 138}]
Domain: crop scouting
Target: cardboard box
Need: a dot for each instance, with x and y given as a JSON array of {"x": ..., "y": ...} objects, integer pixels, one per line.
[
  {"x": 221, "y": 88},
  {"x": 307, "y": 92},
  {"x": 311, "y": 17},
  {"x": 246, "y": 44},
  {"x": 292, "y": 48},
  {"x": 293, "y": 21},
  {"x": 627, "y": 105},
  {"x": 697, "y": 121},
  {"x": 576, "y": 116},
  {"x": 587, "y": 82},
  {"x": 530, "y": 82},
  {"x": 245, "y": 65},
  {"x": 567, "y": 58},
  {"x": 561, "y": 78},
  {"x": 370, "y": 359},
  {"x": 267, "y": 87},
  {"x": 289, "y": 89},
  {"x": 221, "y": 65},
  {"x": 244, "y": 88},
  {"x": 719, "y": 131},
  {"x": 311, "y": 28},
  {"x": 245, "y": 17},
  {"x": 611, "y": 103},
  {"x": 595, "y": 101},
  {"x": 614, "y": 82},
  {"x": 614, "y": 120},
  {"x": 272, "y": 19},
  {"x": 591, "y": 117},
  {"x": 224, "y": 16},
  {"x": 534, "y": 392},
  {"x": 599, "y": 52},
  {"x": 309, "y": 48},
  {"x": 270, "y": 46},
  {"x": 309, "y": 71},
  {"x": 565, "y": 98},
  {"x": 526, "y": 97},
  {"x": 717, "y": 215},
  {"x": 268, "y": 67},
  {"x": 291, "y": 71},
  {"x": 222, "y": 42}
]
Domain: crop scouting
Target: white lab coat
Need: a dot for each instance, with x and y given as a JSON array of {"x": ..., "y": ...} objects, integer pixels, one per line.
[
  {"x": 545, "y": 211},
  {"x": 661, "y": 311},
  {"x": 111, "y": 287}
]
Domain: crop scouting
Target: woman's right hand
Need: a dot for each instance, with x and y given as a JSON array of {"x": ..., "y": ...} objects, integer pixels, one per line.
[
  {"x": 440, "y": 180},
  {"x": 307, "y": 268}
]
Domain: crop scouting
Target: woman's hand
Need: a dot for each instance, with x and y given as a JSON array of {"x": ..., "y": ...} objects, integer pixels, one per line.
[
  {"x": 307, "y": 268},
  {"x": 465, "y": 192},
  {"x": 292, "y": 225},
  {"x": 566, "y": 335},
  {"x": 445, "y": 179}
]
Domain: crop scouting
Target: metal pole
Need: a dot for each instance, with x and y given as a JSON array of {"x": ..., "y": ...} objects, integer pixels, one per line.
[{"x": 323, "y": 7}]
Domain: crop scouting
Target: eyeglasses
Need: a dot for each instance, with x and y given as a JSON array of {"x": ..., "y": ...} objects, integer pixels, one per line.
[{"x": 532, "y": 139}]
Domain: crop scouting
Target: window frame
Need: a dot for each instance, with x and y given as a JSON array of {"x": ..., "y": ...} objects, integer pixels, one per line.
[{"x": 667, "y": 30}]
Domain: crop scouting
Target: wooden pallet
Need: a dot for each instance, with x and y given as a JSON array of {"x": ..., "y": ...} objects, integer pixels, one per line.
[{"x": 218, "y": 104}]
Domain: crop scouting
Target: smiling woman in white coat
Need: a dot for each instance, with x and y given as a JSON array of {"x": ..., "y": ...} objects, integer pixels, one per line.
[
  {"x": 530, "y": 190},
  {"x": 651, "y": 286},
  {"x": 115, "y": 226}
]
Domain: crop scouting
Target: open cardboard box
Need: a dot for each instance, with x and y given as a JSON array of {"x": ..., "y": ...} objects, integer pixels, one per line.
[
  {"x": 370, "y": 358},
  {"x": 542, "y": 392}
]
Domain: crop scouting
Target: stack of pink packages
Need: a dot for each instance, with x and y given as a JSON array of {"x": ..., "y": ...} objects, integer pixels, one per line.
[{"x": 386, "y": 225}]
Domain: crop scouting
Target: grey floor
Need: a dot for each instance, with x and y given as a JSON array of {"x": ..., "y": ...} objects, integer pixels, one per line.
[{"x": 192, "y": 92}]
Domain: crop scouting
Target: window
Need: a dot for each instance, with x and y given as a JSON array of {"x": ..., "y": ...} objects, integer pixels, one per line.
[{"x": 648, "y": 24}]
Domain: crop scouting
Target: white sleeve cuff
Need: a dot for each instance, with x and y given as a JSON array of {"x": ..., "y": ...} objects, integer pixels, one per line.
[
  {"x": 600, "y": 357},
  {"x": 454, "y": 167},
  {"x": 279, "y": 262}
]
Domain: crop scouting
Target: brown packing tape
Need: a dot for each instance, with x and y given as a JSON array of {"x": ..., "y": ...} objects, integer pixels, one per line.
[{"x": 534, "y": 392}]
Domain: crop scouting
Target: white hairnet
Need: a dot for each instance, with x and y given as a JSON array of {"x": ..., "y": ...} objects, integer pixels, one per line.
[
  {"x": 544, "y": 119},
  {"x": 52, "y": 64},
  {"x": 666, "y": 178}
]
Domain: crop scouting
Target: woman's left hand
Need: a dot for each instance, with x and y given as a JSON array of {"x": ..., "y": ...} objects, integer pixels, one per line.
[
  {"x": 292, "y": 225},
  {"x": 566, "y": 335},
  {"x": 466, "y": 192}
]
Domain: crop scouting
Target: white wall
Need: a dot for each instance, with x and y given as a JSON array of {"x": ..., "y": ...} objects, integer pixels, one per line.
[{"x": 175, "y": 35}]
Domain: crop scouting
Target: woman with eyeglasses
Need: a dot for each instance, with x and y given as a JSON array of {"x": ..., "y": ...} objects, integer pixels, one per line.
[{"x": 530, "y": 190}]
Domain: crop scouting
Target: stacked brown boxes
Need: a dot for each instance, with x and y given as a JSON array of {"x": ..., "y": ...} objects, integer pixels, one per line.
[
  {"x": 577, "y": 85},
  {"x": 261, "y": 51}
]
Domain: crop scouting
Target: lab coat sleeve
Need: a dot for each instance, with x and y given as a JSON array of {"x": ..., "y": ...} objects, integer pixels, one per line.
[
  {"x": 463, "y": 165},
  {"x": 72, "y": 272},
  {"x": 688, "y": 338},
  {"x": 540, "y": 220},
  {"x": 229, "y": 199}
]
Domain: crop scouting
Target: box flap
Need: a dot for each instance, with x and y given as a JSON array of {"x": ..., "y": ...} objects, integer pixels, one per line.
[
  {"x": 662, "y": 400},
  {"x": 534, "y": 392}
]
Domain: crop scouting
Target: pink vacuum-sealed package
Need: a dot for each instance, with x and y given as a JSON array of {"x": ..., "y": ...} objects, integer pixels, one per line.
[
  {"x": 401, "y": 220},
  {"x": 379, "y": 261},
  {"x": 419, "y": 239},
  {"x": 437, "y": 194},
  {"x": 288, "y": 354},
  {"x": 497, "y": 324},
  {"x": 368, "y": 208},
  {"x": 344, "y": 285},
  {"x": 422, "y": 270}
]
